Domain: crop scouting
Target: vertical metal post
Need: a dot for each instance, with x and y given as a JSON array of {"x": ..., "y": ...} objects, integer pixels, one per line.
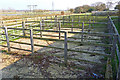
[
  {"x": 111, "y": 27},
  {"x": 95, "y": 18},
  {"x": 43, "y": 24},
  {"x": 26, "y": 19},
  {"x": 34, "y": 18},
  {"x": 7, "y": 38},
  {"x": 59, "y": 29},
  {"x": 118, "y": 74},
  {"x": 2, "y": 24},
  {"x": 93, "y": 21},
  {"x": 51, "y": 18},
  {"x": 37, "y": 18},
  {"x": 113, "y": 51},
  {"x": 87, "y": 17},
  {"x": 72, "y": 25},
  {"x": 89, "y": 25},
  {"x": 79, "y": 20},
  {"x": 82, "y": 31},
  {"x": 74, "y": 17},
  {"x": 108, "y": 25},
  {"x": 57, "y": 23},
  {"x": 51, "y": 21},
  {"x": 69, "y": 18},
  {"x": 32, "y": 42},
  {"x": 40, "y": 18},
  {"x": 113, "y": 48},
  {"x": 23, "y": 26},
  {"x": 40, "y": 29},
  {"x": 65, "y": 48},
  {"x": 84, "y": 18},
  {"x": 16, "y": 23}
]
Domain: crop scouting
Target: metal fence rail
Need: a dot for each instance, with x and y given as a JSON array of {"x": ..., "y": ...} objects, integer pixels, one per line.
[
  {"x": 65, "y": 40},
  {"x": 28, "y": 33},
  {"x": 113, "y": 29}
]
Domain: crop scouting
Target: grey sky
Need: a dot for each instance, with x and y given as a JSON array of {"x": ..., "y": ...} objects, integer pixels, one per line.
[{"x": 46, "y": 4}]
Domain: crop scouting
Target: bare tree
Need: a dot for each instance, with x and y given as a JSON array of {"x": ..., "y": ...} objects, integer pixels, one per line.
[
  {"x": 109, "y": 4},
  {"x": 118, "y": 7},
  {"x": 99, "y": 6}
]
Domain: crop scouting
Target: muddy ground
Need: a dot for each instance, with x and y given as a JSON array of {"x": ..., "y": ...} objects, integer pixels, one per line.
[{"x": 42, "y": 64}]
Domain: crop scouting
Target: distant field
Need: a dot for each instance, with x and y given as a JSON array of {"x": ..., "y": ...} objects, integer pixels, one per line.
[{"x": 20, "y": 15}]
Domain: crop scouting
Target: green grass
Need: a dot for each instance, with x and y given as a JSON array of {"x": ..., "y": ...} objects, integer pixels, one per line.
[{"x": 116, "y": 22}]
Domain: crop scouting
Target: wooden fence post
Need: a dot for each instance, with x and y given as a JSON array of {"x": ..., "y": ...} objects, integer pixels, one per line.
[
  {"x": 59, "y": 29},
  {"x": 23, "y": 26},
  {"x": 31, "y": 39},
  {"x": 65, "y": 49},
  {"x": 82, "y": 31},
  {"x": 72, "y": 25},
  {"x": 7, "y": 38},
  {"x": 40, "y": 29}
]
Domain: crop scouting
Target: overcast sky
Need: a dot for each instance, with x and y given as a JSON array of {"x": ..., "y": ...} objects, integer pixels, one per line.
[{"x": 46, "y": 4}]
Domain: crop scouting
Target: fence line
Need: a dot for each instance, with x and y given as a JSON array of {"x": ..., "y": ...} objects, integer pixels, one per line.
[
  {"x": 65, "y": 42},
  {"x": 113, "y": 45},
  {"x": 116, "y": 38}
]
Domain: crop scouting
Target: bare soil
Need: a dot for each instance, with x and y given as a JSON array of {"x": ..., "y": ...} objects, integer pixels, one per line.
[{"x": 42, "y": 64}]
